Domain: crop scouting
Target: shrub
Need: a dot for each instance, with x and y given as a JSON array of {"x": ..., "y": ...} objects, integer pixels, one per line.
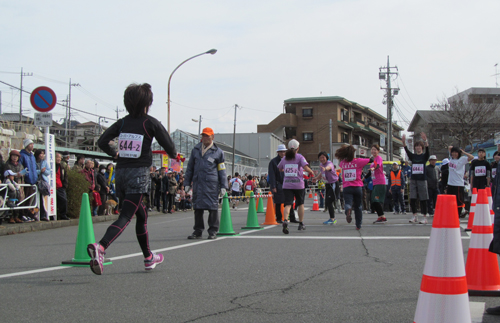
[{"x": 77, "y": 185}]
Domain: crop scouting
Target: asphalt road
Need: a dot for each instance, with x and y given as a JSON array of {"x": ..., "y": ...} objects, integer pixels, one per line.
[{"x": 322, "y": 274}]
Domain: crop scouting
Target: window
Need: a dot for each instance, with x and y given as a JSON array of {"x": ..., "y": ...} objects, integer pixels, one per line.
[
  {"x": 345, "y": 138},
  {"x": 307, "y": 136},
  {"x": 307, "y": 112},
  {"x": 344, "y": 115}
]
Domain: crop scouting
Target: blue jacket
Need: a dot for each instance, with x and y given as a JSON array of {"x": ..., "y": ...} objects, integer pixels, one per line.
[
  {"x": 208, "y": 175},
  {"x": 47, "y": 172},
  {"x": 28, "y": 161}
]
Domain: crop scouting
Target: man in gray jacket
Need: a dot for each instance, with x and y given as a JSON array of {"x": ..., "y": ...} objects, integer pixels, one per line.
[{"x": 206, "y": 173}]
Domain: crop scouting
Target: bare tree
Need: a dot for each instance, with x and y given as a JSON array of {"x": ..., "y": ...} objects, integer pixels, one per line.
[{"x": 466, "y": 118}]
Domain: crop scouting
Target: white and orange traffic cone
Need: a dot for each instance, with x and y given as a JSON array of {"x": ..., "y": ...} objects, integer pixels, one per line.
[
  {"x": 443, "y": 291},
  {"x": 310, "y": 194},
  {"x": 472, "y": 211},
  {"x": 315, "y": 203},
  {"x": 483, "y": 274}
]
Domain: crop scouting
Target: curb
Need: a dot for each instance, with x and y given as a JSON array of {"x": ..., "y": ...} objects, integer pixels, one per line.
[{"x": 9, "y": 229}]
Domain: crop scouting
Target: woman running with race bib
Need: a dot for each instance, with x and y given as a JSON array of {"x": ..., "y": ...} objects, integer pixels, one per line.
[
  {"x": 352, "y": 168},
  {"x": 293, "y": 166},
  {"x": 135, "y": 134}
]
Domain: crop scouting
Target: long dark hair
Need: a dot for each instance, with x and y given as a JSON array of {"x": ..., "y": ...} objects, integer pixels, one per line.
[
  {"x": 346, "y": 152},
  {"x": 290, "y": 154},
  {"x": 136, "y": 98}
]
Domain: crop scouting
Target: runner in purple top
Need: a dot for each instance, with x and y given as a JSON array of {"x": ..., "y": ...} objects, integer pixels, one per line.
[
  {"x": 379, "y": 188},
  {"x": 327, "y": 171},
  {"x": 293, "y": 166},
  {"x": 353, "y": 186}
]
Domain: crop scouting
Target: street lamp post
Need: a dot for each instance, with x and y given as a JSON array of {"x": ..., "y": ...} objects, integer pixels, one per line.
[
  {"x": 211, "y": 52},
  {"x": 199, "y": 127}
]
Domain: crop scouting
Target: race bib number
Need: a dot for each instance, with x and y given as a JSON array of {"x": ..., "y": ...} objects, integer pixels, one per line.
[
  {"x": 130, "y": 145},
  {"x": 417, "y": 169},
  {"x": 291, "y": 170},
  {"x": 349, "y": 175},
  {"x": 248, "y": 187},
  {"x": 480, "y": 171},
  {"x": 493, "y": 172}
]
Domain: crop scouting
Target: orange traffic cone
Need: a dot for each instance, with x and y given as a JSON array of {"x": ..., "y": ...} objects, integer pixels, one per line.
[
  {"x": 256, "y": 203},
  {"x": 315, "y": 203},
  {"x": 443, "y": 291},
  {"x": 270, "y": 214},
  {"x": 483, "y": 274},
  {"x": 472, "y": 210},
  {"x": 490, "y": 203},
  {"x": 310, "y": 194}
]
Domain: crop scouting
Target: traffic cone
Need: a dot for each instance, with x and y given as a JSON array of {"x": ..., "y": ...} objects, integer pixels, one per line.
[
  {"x": 315, "y": 203},
  {"x": 483, "y": 274},
  {"x": 252, "y": 220},
  {"x": 260, "y": 208},
  {"x": 270, "y": 214},
  {"x": 226, "y": 224},
  {"x": 84, "y": 237},
  {"x": 443, "y": 291},
  {"x": 490, "y": 203},
  {"x": 472, "y": 210},
  {"x": 310, "y": 194},
  {"x": 256, "y": 203}
]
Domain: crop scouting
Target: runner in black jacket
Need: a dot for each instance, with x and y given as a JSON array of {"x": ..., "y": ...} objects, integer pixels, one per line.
[{"x": 134, "y": 135}]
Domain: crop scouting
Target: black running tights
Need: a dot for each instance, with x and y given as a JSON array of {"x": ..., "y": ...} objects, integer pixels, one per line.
[{"x": 132, "y": 204}]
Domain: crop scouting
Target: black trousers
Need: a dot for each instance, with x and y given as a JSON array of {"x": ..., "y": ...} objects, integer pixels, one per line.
[
  {"x": 431, "y": 202},
  {"x": 157, "y": 200},
  {"x": 62, "y": 202},
  {"x": 330, "y": 199},
  {"x": 213, "y": 222}
]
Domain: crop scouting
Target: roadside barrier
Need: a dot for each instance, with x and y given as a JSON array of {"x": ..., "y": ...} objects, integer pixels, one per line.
[
  {"x": 443, "y": 292},
  {"x": 483, "y": 274},
  {"x": 84, "y": 237},
  {"x": 472, "y": 210}
]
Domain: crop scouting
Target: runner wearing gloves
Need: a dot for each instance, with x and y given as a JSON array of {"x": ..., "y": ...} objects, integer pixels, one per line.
[{"x": 135, "y": 134}]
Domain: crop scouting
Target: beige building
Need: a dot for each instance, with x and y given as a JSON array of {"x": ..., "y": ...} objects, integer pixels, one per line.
[{"x": 307, "y": 120}]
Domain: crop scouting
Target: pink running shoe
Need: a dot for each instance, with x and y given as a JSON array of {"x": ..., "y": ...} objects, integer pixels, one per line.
[
  {"x": 96, "y": 253},
  {"x": 155, "y": 260}
]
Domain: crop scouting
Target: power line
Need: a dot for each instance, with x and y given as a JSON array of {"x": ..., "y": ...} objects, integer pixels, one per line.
[
  {"x": 185, "y": 106},
  {"x": 62, "y": 105},
  {"x": 404, "y": 86}
]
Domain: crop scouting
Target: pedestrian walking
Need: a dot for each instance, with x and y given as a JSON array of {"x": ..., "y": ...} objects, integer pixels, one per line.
[
  {"x": 397, "y": 185},
  {"x": 352, "y": 169},
  {"x": 206, "y": 173},
  {"x": 432, "y": 173},
  {"x": 480, "y": 170},
  {"x": 276, "y": 181},
  {"x": 135, "y": 134},
  {"x": 293, "y": 166}
]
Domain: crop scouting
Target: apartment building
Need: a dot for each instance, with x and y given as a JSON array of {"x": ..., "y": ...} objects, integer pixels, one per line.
[{"x": 307, "y": 120}]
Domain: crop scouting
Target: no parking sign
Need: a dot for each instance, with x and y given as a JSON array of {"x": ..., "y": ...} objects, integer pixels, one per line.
[{"x": 43, "y": 99}]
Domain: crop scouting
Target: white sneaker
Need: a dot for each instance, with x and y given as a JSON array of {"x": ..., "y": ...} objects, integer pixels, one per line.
[
  {"x": 414, "y": 219},
  {"x": 424, "y": 221}
]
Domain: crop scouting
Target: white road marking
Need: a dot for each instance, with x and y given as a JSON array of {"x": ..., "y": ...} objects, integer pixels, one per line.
[
  {"x": 339, "y": 238},
  {"x": 477, "y": 311}
]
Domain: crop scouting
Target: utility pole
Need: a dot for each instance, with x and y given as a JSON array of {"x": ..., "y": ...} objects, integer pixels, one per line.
[
  {"x": 199, "y": 129},
  {"x": 330, "y": 146},
  {"x": 21, "y": 95},
  {"x": 117, "y": 115},
  {"x": 385, "y": 73},
  {"x": 68, "y": 120},
  {"x": 234, "y": 136}
]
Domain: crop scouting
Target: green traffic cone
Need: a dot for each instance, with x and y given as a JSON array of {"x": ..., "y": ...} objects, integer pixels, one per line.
[
  {"x": 252, "y": 220},
  {"x": 226, "y": 224},
  {"x": 260, "y": 208},
  {"x": 84, "y": 237}
]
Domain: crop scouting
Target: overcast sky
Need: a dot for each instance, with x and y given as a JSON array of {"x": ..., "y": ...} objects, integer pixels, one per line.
[{"x": 268, "y": 51}]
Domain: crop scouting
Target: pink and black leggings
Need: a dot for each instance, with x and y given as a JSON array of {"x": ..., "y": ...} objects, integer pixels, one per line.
[{"x": 132, "y": 204}]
